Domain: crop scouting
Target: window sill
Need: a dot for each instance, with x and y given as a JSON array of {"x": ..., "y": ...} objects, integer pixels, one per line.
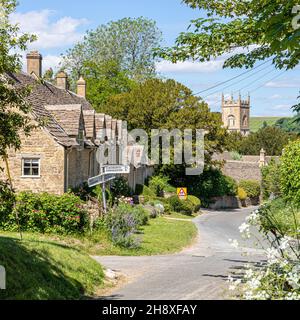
[{"x": 31, "y": 177}]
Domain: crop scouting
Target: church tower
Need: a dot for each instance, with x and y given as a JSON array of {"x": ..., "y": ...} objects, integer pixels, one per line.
[{"x": 236, "y": 114}]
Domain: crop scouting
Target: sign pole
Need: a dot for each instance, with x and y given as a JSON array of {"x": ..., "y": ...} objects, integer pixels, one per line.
[{"x": 104, "y": 197}]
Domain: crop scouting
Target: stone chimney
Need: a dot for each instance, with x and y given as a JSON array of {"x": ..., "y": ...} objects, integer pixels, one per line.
[
  {"x": 62, "y": 80},
  {"x": 81, "y": 87},
  {"x": 34, "y": 63}
]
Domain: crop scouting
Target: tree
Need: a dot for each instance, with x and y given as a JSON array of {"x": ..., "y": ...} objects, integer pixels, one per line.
[
  {"x": 128, "y": 42},
  {"x": 49, "y": 75},
  {"x": 14, "y": 108},
  {"x": 271, "y": 139},
  {"x": 105, "y": 81},
  {"x": 263, "y": 27},
  {"x": 289, "y": 124},
  {"x": 167, "y": 104}
]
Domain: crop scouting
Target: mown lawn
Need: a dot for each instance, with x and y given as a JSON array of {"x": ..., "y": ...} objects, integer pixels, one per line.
[
  {"x": 178, "y": 215},
  {"x": 60, "y": 267},
  {"x": 160, "y": 236},
  {"x": 39, "y": 268}
]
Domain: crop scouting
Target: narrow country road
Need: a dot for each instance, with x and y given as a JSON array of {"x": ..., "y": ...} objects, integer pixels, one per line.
[{"x": 197, "y": 273}]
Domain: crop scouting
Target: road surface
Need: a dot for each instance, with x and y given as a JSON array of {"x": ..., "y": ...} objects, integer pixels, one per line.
[{"x": 197, "y": 273}]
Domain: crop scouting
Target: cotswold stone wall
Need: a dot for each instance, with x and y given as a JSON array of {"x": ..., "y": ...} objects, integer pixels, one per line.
[
  {"x": 81, "y": 167},
  {"x": 247, "y": 168},
  {"x": 241, "y": 170},
  {"x": 38, "y": 145}
]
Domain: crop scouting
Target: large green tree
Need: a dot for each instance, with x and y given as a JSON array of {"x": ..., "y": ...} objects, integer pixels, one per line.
[
  {"x": 266, "y": 28},
  {"x": 14, "y": 108},
  {"x": 167, "y": 104},
  {"x": 104, "y": 81},
  {"x": 128, "y": 43},
  {"x": 271, "y": 139}
]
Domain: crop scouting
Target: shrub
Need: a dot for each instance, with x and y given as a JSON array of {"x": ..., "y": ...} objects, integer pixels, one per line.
[
  {"x": 122, "y": 223},
  {"x": 7, "y": 199},
  {"x": 251, "y": 187},
  {"x": 181, "y": 206},
  {"x": 212, "y": 183},
  {"x": 148, "y": 194},
  {"x": 271, "y": 179},
  {"x": 139, "y": 188},
  {"x": 196, "y": 202},
  {"x": 289, "y": 172},
  {"x": 235, "y": 155},
  {"x": 158, "y": 184},
  {"x": 48, "y": 213},
  {"x": 119, "y": 187},
  {"x": 140, "y": 215},
  {"x": 242, "y": 194}
]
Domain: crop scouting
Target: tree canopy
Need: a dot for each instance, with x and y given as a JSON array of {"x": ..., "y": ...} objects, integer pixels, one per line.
[
  {"x": 128, "y": 43},
  {"x": 167, "y": 104},
  {"x": 263, "y": 28},
  {"x": 14, "y": 108}
]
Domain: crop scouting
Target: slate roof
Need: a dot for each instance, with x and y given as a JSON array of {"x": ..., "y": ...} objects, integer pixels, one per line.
[
  {"x": 68, "y": 116},
  {"x": 44, "y": 94},
  {"x": 61, "y": 111}
]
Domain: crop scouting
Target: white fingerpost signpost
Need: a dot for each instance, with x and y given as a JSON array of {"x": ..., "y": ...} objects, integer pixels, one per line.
[
  {"x": 107, "y": 173},
  {"x": 101, "y": 180}
]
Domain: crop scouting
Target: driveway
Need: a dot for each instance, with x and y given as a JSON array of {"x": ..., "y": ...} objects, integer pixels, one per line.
[{"x": 197, "y": 273}]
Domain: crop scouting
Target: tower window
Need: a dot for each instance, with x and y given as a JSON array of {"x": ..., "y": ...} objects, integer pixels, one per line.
[
  {"x": 231, "y": 121},
  {"x": 245, "y": 121}
]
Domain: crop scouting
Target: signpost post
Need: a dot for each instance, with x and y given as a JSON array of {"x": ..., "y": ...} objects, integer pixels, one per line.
[
  {"x": 101, "y": 180},
  {"x": 107, "y": 173}
]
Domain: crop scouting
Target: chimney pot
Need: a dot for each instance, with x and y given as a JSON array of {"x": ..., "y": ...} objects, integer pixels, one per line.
[
  {"x": 62, "y": 80},
  {"x": 81, "y": 87},
  {"x": 34, "y": 63}
]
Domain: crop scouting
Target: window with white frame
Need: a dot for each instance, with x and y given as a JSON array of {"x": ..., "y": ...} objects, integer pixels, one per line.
[{"x": 30, "y": 167}]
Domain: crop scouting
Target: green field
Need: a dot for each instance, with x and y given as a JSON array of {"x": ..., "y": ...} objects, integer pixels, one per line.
[{"x": 257, "y": 122}]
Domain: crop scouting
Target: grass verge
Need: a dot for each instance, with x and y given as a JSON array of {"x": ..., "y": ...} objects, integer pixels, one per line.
[{"x": 39, "y": 268}]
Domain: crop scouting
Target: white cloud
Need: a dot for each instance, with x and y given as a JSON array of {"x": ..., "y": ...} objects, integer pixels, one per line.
[
  {"x": 189, "y": 66},
  {"x": 282, "y": 107},
  {"x": 291, "y": 83},
  {"x": 275, "y": 97},
  {"x": 60, "y": 33}
]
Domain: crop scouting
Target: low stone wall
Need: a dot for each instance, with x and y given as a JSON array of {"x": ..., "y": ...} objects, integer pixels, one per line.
[
  {"x": 241, "y": 170},
  {"x": 225, "y": 202}
]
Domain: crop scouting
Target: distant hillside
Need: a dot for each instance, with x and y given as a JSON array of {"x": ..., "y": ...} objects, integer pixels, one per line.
[{"x": 257, "y": 122}]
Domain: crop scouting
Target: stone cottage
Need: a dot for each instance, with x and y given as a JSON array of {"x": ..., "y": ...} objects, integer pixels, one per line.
[{"x": 61, "y": 154}]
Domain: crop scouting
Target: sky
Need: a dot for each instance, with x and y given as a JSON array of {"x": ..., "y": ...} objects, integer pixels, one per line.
[{"x": 59, "y": 24}]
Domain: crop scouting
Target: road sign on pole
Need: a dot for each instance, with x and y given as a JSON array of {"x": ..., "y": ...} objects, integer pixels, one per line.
[
  {"x": 116, "y": 169},
  {"x": 100, "y": 179}
]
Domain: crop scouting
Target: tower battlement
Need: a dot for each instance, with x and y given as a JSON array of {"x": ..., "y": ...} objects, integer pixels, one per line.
[{"x": 236, "y": 114}]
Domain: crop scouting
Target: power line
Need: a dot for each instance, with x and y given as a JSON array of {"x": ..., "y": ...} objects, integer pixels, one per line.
[
  {"x": 232, "y": 84},
  {"x": 262, "y": 85},
  {"x": 238, "y": 76},
  {"x": 271, "y": 71}
]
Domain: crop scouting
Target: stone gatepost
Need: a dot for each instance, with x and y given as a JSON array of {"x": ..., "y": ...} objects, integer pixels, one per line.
[{"x": 262, "y": 158}]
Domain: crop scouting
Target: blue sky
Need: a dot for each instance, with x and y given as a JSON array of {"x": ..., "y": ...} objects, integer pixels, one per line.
[{"x": 60, "y": 24}]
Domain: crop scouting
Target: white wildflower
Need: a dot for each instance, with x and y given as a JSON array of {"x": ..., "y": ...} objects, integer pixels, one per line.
[
  {"x": 272, "y": 256},
  {"x": 234, "y": 243},
  {"x": 284, "y": 243}
]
